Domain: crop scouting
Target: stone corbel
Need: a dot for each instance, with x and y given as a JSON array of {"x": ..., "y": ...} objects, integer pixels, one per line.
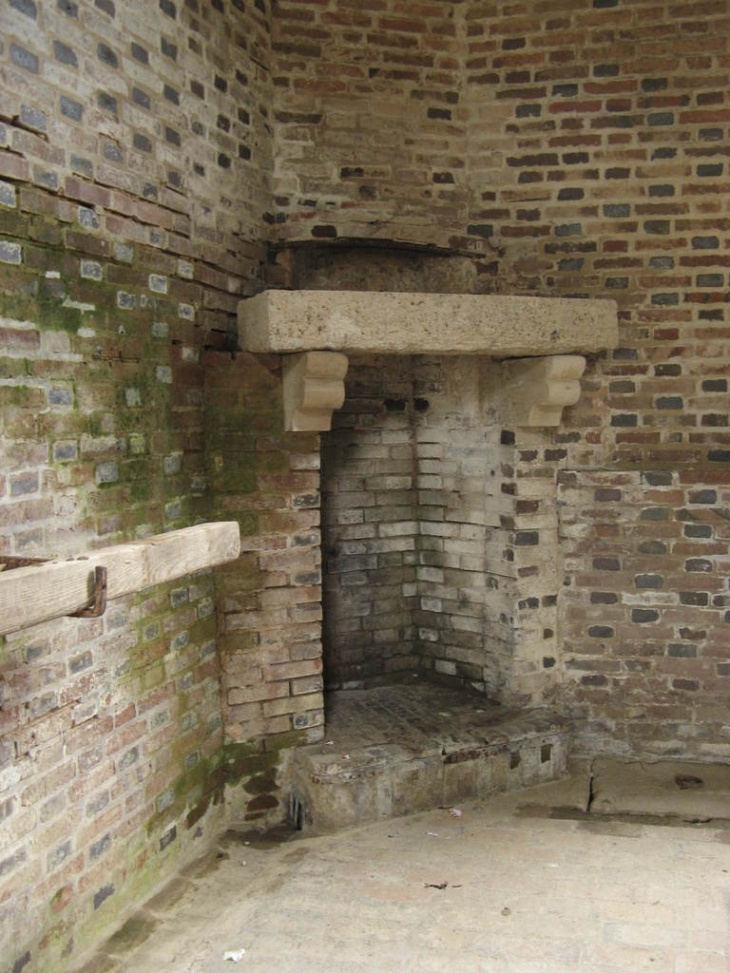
[
  {"x": 536, "y": 390},
  {"x": 314, "y": 386}
]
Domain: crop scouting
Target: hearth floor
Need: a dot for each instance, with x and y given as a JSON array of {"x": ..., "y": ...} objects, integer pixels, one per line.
[
  {"x": 418, "y": 715},
  {"x": 406, "y": 747}
]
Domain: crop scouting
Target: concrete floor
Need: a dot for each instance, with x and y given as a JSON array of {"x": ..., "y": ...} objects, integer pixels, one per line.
[{"x": 507, "y": 886}]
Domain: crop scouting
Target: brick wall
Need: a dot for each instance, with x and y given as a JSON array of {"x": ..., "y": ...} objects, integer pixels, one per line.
[
  {"x": 440, "y": 537},
  {"x": 135, "y": 154},
  {"x": 370, "y": 529},
  {"x": 370, "y": 121},
  {"x": 269, "y": 601},
  {"x": 598, "y": 160},
  {"x": 146, "y": 159}
]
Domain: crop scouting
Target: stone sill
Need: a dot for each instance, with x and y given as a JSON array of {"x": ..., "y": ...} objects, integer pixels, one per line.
[{"x": 29, "y": 595}]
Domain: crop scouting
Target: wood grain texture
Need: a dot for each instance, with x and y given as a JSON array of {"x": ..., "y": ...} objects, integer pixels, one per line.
[{"x": 35, "y": 594}]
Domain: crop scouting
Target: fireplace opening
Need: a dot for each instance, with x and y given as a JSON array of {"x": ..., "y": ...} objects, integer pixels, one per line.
[{"x": 418, "y": 637}]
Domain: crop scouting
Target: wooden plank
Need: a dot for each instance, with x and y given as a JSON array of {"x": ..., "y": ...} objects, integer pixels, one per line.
[{"x": 55, "y": 588}]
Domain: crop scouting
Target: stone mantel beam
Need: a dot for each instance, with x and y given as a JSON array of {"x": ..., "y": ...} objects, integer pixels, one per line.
[{"x": 399, "y": 323}]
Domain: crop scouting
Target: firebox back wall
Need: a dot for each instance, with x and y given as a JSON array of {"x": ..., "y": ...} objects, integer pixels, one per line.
[{"x": 419, "y": 568}]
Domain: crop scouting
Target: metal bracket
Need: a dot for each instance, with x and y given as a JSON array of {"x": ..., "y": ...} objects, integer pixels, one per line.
[{"x": 98, "y": 604}]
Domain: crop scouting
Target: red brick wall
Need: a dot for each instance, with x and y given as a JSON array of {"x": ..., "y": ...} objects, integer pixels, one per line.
[
  {"x": 370, "y": 121},
  {"x": 599, "y": 162},
  {"x": 587, "y": 147}
]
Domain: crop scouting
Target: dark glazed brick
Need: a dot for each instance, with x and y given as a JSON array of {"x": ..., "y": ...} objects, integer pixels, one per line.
[
  {"x": 107, "y": 6},
  {"x": 107, "y": 56},
  {"x": 601, "y": 632},
  {"x": 64, "y": 54},
  {"x": 714, "y": 385},
  {"x": 70, "y": 108},
  {"x": 652, "y": 581},
  {"x": 594, "y": 681},
  {"x": 664, "y": 189},
  {"x": 697, "y": 531},
  {"x": 719, "y": 455},
  {"x": 33, "y": 118},
  {"x": 141, "y": 98},
  {"x": 707, "y": 170},
  {"x": 606, "y": 564},
  {"x": 243, "y": 151},
  {"x": 171, "y": 94},
  {"x": 21, "y": 962},
  {"x": 140, "y": 53},
  {"x": 604, "y": 598},
  {"x": 26, "y": 7},
  {"x": 606, "y": 71},
  {"x": 168, "y": 837},
  {"x": 652, "y": 547},
  {"x": 107, "y": 102},
  {"x": 103, "y": 894},
  {"x": 69, "y": 8},
  {"x": 23, "y": 59},
  {"x": 141, "y": 142},
  {"x": 681, "y": 650},
  {"x": 484, "y": 230},
  {"x": 705, "y": 243},
  {"x": 642, "y": 616},
  {"x": 527, "y": 538},
  {"x": 617, "y": 211},
  {"x": 625, "y": 419},
  {"x": 168, "y": 8},
  {"x": 220, "y": 83},
  {"x": 168, "y": 48},
  {"x": 224, "y": 161},
  {"x": 669, "y": 402},
  {"x": 703, "y": 496}
]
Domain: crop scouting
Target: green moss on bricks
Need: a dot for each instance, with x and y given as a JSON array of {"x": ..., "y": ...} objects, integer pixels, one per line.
[{"x": 51, "y": 313}]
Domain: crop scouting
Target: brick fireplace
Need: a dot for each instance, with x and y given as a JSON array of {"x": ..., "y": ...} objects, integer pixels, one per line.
[
  {"x": 438, "y": 559},
  {"x": 441, "y": 568}
]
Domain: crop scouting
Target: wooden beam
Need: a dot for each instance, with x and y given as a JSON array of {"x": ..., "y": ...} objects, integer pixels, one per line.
[{"x": 55, "y": 588}]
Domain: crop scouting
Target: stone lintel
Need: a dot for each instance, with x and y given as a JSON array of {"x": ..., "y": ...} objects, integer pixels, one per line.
[
  {"x": 536, "y": 390},
  {"x": 314, "y": 386},
  {"x": 423, "y": 324}
]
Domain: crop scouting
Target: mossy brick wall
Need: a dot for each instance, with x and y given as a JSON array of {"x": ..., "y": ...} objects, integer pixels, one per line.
[
  {"x": 134, "y": 159},
  {"x": 598, "y": 162},
  {"x": 269, "y": 601}
]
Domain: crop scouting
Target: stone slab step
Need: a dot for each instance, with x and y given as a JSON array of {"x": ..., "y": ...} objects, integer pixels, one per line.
[{"x": 332, "y": 788}]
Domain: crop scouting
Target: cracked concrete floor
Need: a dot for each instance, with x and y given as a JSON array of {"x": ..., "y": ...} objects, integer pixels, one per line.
[{"x": 510, "y": 885}]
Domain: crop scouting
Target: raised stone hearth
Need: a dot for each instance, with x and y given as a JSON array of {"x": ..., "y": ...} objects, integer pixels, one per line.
[{"x": 398, "y": 749}]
